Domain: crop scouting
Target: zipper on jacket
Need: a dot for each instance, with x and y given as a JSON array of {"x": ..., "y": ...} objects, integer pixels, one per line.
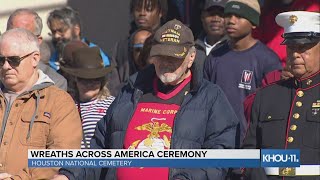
[
  {"x": 8, "y": 107},
  {"x": 135, "y": 99},
  {"x": 7, "y": 113},
  {"x": 5, "y": 117},
  {"x": 184, "y": 102},
  {"x": 136, "y": 96}
]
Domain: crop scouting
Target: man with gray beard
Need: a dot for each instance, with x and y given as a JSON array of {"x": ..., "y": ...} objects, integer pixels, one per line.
[
  {"x": 65, "y": 26},
  {"x": 165, "y": 106}
]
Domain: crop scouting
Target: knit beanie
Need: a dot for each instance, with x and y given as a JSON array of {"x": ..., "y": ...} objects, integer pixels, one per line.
[{"x": 248, "y": 9}]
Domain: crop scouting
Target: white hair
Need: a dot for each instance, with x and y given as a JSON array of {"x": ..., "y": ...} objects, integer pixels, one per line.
[
  {"x": 37, "y": 21},
  {"x": 191, "y": 50},
  {"x": 21, "y": 40}
]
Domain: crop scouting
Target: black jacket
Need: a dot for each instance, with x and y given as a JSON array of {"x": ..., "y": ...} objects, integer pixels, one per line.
[
  {"x": 286, "y": 115},
  {"x": 123, "y": 66},
  {"x": 201, "y": 49},
  {"x": 205, "y": 110}
]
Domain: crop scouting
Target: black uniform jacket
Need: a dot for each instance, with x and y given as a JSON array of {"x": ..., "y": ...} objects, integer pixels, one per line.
[{"x": 286, "y": 115}]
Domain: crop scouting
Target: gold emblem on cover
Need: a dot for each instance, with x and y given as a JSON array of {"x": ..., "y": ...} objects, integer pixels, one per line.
[{"x": 293, "y": 19}]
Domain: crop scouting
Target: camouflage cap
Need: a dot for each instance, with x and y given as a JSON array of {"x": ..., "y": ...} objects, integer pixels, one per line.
[{"x": 172, "y": 39}]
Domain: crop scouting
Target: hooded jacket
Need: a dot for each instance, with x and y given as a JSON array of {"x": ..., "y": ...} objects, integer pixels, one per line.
[
  {"x": 201, "y": 49},
  {"x": 43, "y": 117},
  {"x": 58, "y": 79},
  {"x": 205, "y": 120}
]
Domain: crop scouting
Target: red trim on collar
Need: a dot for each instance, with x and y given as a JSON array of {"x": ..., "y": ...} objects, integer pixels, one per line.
[
  {"x": 310, "y": 87},
  {"x": 312, "y": 75},
  {"x": 302, "y": 82},
  {"x": 174, "y": 92}
]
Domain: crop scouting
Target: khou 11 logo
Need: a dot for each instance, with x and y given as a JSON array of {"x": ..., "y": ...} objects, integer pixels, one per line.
[{"x": 280, "y": 157}]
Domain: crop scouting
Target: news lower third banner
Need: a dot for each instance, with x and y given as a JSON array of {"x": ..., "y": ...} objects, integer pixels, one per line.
[{"x": 173, "y": 158}]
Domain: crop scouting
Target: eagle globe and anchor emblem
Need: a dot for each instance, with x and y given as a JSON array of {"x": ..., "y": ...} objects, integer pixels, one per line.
[
  {"x": 153, "y": 141},
  {"x": 293, "y": 19}
]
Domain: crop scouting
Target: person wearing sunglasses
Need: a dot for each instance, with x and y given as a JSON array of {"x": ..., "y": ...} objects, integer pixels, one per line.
[
  {"x": 34, "y": 113},
  {"x": 137, "y": 44},
  {"x": 31, "y": 21}
]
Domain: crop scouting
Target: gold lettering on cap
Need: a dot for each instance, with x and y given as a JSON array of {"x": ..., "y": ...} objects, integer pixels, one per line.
[
  {"x": 182, "y": 53},
  {"x": 171, "y": 31},
  {"x": 293, "y": 19},
  {"x": 170, "y": 35},
  {"x": 170, "y": 40}
]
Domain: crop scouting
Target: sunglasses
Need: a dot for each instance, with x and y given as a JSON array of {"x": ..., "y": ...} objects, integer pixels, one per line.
[{"x": 14, "y": 61}]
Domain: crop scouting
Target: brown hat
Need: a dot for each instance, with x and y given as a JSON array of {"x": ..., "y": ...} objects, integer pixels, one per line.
[
  {"x": 87, "y": 64},
  {"x": 172, "y": 39},
  {"x": 68, "y": 50},
  {"x": 211, "y": 3}
]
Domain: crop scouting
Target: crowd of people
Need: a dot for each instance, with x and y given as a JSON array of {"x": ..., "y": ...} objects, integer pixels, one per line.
[{"x": 250, "y": 79}]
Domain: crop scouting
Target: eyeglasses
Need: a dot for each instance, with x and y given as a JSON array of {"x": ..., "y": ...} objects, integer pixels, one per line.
[
  {"x": 137, "y": 47},
  {"x": 60, "y": 31},
  {"x": 14, "y": 61}
]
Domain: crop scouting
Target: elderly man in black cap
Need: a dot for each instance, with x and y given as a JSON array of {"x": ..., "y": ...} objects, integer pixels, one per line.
[
  {"x": 286, "y": 115},
  {"x": 193, "y": 113}
]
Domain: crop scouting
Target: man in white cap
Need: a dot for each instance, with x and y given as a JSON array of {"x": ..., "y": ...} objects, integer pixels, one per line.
[{"x": 286, "y": 115}]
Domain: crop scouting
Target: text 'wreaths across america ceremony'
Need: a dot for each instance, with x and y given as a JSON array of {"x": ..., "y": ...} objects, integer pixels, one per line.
[{"x": 182, "y": 158}]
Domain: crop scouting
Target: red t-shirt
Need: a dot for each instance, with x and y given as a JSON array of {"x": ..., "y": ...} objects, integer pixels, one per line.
[
  {"x": 151, "y": 127},
  {"x": 270, "y": 33}
]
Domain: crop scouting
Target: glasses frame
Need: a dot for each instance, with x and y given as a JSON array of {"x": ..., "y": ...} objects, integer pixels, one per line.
[
  {"x": 14, "y": 63},
  {"x": 61, "y": 32}
]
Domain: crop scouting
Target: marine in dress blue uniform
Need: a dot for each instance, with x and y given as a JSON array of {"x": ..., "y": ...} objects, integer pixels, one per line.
[{"x": 286, "y": 114}]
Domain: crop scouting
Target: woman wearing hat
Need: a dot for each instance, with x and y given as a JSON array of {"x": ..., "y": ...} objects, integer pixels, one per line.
[{"x": 91, "y": 95}]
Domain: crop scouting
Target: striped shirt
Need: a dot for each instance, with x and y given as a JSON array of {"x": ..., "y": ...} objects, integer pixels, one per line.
[{"x": 91, "y": 113}]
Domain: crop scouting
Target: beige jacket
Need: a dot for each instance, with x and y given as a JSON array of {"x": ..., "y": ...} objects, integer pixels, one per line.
[{"x": 42, "y": 118}]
